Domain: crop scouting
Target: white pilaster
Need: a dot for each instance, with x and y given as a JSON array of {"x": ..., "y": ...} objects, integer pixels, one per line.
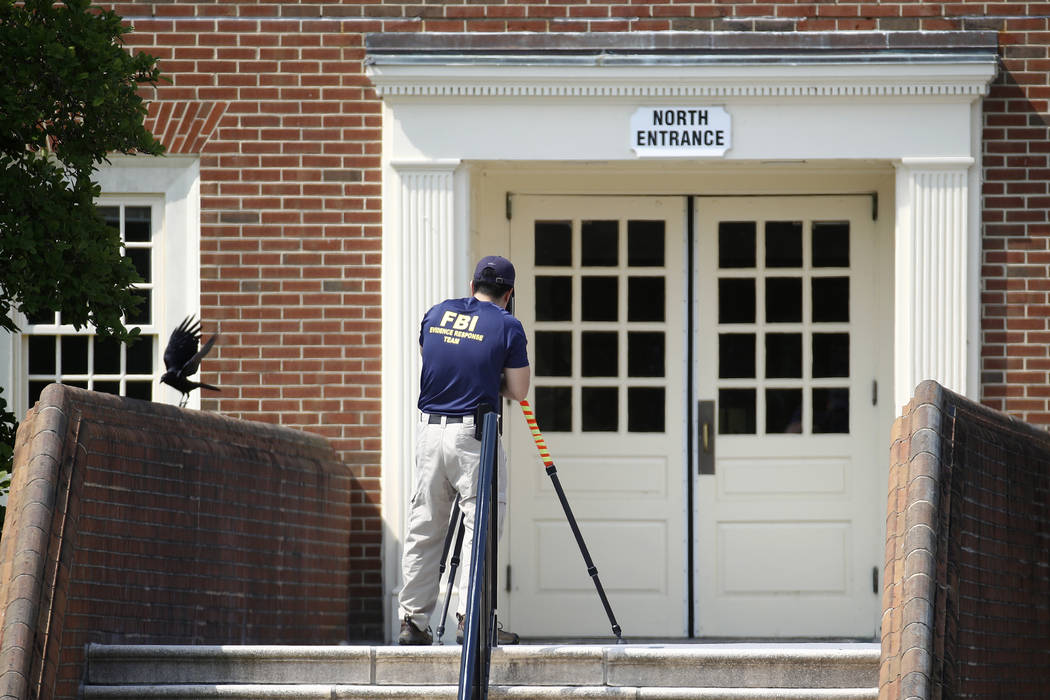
[
  {"x": 424, "y": 245},
  {"x": 933, "y": 296}
]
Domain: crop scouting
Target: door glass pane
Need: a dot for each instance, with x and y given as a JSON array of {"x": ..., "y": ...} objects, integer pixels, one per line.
[
  {"x": 783, "y": 300},
  {"x": 74, "y": 354},
  {"x": 553, "y": 243},
  {"x": 600, "y": 356},
  {"x": 645, "y": 355},
  {"x": 645, "y": 299},
  {"x": 107, "y": 355},
  {"x": 783, "y": 411},
  {"x": 783, "y": 355},
  {"x": 553, "y": 354},
  {"x": 830, "y": 244},
  {"x": 645, "y": 243},
  {"x": 736, "y": 244},
  {"x": 736, "y": 301},
  {"x": 42, "y": 354},
  {"x": 645, "y": 409},
  {"x": 783, "y": 244},
  {"x": 600, "y": 298},
  {"x": 736, "y": 411},
  {"x": 601, "y": 408},
  {"x": 831, "y": 354},
  {"x": 553, "y": 298},
  {"x": 736, "y": 355},
  {"x": 830, "y": 299},
  {"x": 600, "y": 243},
  {"x": 554, "y": 408},
  {"x": 831, "y": 410}
]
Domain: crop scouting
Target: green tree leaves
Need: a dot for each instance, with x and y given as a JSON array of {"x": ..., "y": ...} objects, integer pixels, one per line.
[{"x": 69, "y": 97}]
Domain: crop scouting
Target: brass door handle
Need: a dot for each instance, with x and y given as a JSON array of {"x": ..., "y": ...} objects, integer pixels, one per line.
[{"x": 706, "y": 416}]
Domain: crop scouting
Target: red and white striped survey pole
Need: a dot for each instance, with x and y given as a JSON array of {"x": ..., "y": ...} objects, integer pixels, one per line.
[{"x": 541, "y": 444}]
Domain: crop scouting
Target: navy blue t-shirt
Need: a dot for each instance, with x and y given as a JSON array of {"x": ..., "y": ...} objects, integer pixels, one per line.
[{"x": 466, "y": 345}]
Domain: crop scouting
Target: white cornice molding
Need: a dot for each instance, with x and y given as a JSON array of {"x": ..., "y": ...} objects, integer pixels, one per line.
[
  {"x": 860, "y": 77},
  {"x": 942, "y": 164}
]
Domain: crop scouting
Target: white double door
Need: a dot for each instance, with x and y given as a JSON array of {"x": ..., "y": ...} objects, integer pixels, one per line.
[{"x": 760, "y": 373}]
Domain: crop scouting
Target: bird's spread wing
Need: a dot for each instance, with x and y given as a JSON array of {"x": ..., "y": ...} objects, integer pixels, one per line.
[
  {"x": 182, "y": 346},
  {"x": 195, "y": 361}
]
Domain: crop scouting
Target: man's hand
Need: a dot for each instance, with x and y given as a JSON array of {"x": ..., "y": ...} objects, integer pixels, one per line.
[{"x": 515, "y": 384}]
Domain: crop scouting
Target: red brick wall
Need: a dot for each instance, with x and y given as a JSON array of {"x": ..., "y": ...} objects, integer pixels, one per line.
[
  {"x": 165, "y": 526},
  {"x": 1016, "y": 221},
  {"x": 291, "y": 194},
  {"x": 274, "y": 98},
  {"x": 967, "y": 595}
]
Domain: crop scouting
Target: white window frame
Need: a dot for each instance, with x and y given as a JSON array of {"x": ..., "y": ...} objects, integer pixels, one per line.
[
  {"x": 171, "y": 187},
  {"x": 90, "y": 378}
]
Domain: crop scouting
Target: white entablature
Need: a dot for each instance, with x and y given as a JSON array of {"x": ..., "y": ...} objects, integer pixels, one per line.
[{"x": 875, "y": 76}]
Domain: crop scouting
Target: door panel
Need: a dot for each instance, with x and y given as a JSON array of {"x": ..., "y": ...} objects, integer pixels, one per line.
[
  {"x": 600, "y": 293},
  {"x": 787, "y": 350}
]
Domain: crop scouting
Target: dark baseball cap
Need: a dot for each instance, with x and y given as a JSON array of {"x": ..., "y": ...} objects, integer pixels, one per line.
[{"x": 494, "y": 269}]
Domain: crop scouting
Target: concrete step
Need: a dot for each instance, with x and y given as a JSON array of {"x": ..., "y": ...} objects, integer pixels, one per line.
[
  {"x": 657, "y": 672},
  {"x": 449, "y": 692}
]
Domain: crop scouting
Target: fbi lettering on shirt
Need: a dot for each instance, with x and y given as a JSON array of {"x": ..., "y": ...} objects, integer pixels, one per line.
[{"x": 455, "y": 327}]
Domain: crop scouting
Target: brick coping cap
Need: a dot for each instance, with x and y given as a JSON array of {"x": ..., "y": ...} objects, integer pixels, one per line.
[
  {"x": 591, "y": 43},
  {"x": 857, "y": 651}
]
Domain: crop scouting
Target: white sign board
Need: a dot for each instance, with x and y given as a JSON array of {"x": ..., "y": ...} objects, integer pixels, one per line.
[{"x": 680, "y": 131}]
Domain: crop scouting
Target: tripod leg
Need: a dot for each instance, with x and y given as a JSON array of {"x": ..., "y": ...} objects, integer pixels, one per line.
[
  {"x": 457, "y": 526},
  {"x": 592, "y": 570},
  {"x": 552, "y": 472},
  {"x": 453, "y": 518}
]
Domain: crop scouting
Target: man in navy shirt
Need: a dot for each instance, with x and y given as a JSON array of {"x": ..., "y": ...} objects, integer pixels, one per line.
[{"x": 473, "y": 352}]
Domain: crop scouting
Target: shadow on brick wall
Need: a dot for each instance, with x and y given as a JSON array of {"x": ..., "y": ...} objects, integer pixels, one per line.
[
  {"x": 136, "y": 522},
  {"x": 967, "y": 597}
]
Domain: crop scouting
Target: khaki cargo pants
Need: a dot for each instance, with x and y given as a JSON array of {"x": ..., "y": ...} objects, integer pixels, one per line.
[{"x": 447, "y": 460}]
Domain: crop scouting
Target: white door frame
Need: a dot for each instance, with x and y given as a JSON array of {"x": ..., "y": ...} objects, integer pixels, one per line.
[{"x": 441, "y": 113}]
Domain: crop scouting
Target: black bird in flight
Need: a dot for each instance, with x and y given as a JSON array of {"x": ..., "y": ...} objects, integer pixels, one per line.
[{"x": 182, "y": 358}]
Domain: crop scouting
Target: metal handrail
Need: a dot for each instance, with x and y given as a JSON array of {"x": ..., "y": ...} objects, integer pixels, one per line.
[{"x": 479, "y": 625}]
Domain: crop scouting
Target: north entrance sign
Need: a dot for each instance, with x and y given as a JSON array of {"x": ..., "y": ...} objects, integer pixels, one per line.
[{"x": 675, "y": 132}]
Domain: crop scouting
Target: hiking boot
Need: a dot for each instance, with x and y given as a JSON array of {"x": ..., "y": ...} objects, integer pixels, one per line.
[
  {"x": 502, "y": 638},
  {"x": 412, "y": 635}
]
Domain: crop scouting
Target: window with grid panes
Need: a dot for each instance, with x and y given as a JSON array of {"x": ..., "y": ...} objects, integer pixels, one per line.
[
  {"x": 599, "y": 356},
  {"x": 56, "y": 352},
  {"x": 784, "y": 327}
]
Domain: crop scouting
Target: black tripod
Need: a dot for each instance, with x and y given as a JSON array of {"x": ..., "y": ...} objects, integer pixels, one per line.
[{"x": 456, "y": 528}]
